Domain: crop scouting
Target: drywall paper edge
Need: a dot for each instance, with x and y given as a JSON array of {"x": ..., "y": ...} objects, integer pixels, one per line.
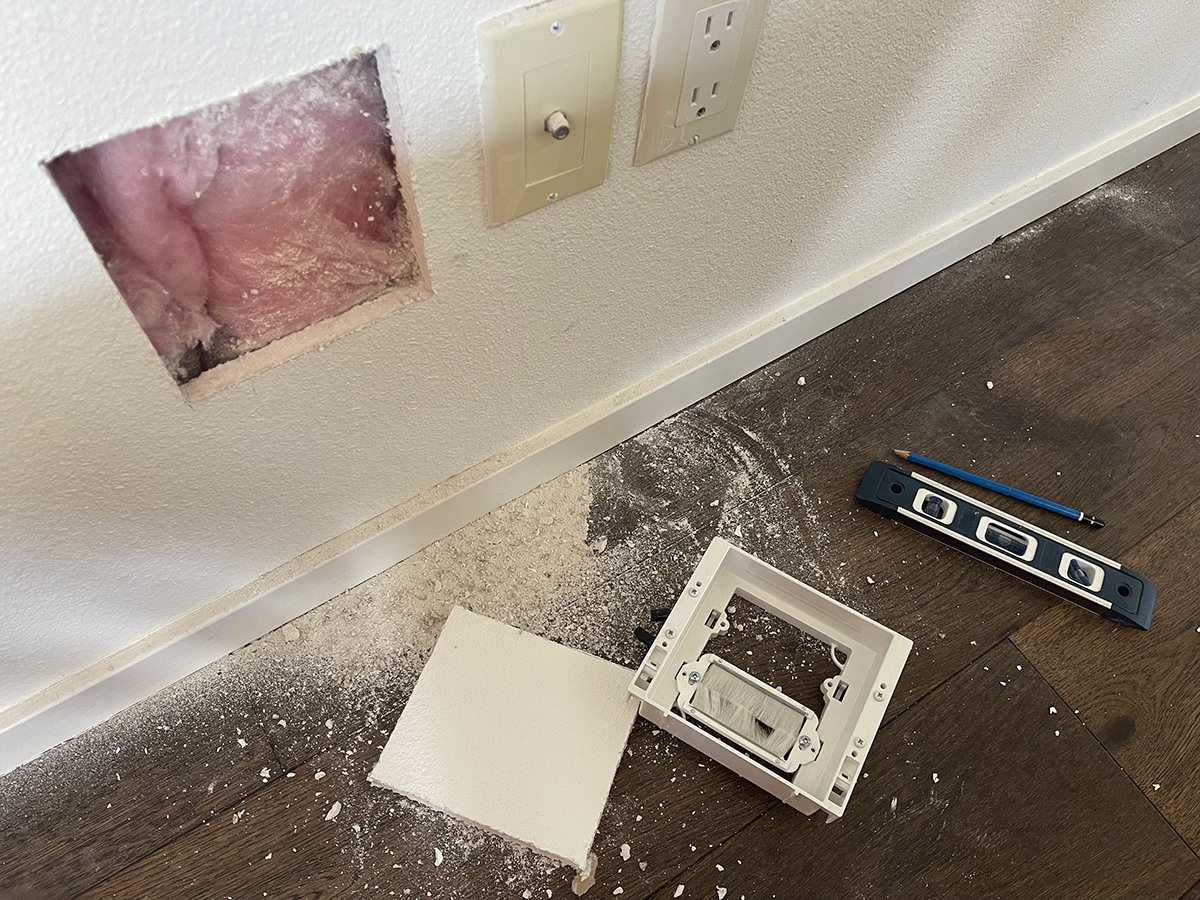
[{"x": 92, "y": 695}]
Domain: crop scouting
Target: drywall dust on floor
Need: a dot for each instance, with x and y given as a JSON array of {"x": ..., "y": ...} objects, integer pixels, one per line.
[{"x": 580, "y": 560}]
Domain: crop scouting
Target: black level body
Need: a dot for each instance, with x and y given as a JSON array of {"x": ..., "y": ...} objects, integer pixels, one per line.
[{"x": 1032, "y": 554}]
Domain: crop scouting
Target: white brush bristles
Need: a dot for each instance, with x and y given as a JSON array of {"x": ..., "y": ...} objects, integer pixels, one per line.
[{"x": 746, "y": 710}]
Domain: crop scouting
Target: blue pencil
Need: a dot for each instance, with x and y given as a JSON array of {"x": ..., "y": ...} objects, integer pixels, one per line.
[{"x": 1032, "y": 499}]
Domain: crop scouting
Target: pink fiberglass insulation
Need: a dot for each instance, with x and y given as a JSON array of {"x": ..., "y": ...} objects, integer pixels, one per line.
[{"x": 242, "y": 222}]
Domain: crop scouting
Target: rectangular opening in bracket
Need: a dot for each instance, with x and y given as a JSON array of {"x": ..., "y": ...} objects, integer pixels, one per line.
[
  {"x": 783, "y": 655},
  {"x": 789, "y": 646}
]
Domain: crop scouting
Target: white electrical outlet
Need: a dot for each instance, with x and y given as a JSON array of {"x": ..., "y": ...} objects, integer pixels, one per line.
[
  {"x": 699, "y": 66},
  {"x": 712, "y": 57}
]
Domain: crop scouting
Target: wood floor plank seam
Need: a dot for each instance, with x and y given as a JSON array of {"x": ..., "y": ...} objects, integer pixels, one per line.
[
  {"x": 1110, "y": 288},
  {"x": 888, "y": 720},
  {"x": 1085, "y": 322},
  {"x": 183, "y": 834},
  {"x": 679, "y": 874},
  {"x": 1115, "y": 761},
  {"x": 1132, "y": 551},
  {"x": 892, "y": 867}
]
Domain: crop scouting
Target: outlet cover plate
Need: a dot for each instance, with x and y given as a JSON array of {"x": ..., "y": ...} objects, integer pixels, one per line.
[
  {"x": 557, "y": 56},
  {"x": 681, "y": 64}
]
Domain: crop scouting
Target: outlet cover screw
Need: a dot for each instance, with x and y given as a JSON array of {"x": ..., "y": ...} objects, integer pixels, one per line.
[
  {"x": 804, "y": 741},
  {"x": 695, "y": 140},
  {"x": 879, "y": 695},
  {"x": 694, "y": 678},
  {"x": 552, "y": 196},
  {"x": 556, "y": 27},
  {"x": 859, "y": 742},
  {"x": 670, "y": 632}
]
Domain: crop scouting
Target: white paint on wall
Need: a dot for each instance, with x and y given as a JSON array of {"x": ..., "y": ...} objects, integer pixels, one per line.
[{"x": 864, "y": 126}]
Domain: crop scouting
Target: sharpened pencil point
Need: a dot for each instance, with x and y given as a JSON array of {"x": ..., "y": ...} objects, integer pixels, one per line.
[{"x": 903, "y": 454}]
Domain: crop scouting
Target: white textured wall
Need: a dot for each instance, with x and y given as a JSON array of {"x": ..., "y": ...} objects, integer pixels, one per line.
[{"x": 865, "y": 124}]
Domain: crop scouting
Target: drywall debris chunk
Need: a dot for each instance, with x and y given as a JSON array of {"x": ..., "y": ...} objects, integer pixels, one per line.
[
  {"x": 679, "y": 891},
  {"x": 333, "y": 811},
  {"x": 626, "y": 850},
  {"x": 556, "y": 721},
  {"x": 585, "y": 879}
]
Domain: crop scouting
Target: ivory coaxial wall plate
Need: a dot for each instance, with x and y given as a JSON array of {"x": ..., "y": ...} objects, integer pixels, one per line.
[
  {"x": 549, "y": 87},
  {"x": 699, "y": 65}
]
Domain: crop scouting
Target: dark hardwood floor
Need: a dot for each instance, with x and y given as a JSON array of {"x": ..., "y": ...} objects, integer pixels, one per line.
[{"x": 1064, "y": 358}]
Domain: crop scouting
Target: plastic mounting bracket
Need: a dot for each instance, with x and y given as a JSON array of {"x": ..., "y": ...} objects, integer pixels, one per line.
[{"x": 871, "y": 659}]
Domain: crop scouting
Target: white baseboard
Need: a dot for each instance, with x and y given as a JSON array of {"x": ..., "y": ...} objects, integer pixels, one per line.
[{"x": 94, "y": 694}]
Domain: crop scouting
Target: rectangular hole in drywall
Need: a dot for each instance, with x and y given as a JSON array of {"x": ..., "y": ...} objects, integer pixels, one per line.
[{"x": 248, "y": 231}]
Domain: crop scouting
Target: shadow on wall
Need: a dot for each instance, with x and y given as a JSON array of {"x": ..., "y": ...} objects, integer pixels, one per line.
[
  {"x": 898, "y": 112},
  {"x": 60, "y": 532},
  {"x": 915, "y": 65}
]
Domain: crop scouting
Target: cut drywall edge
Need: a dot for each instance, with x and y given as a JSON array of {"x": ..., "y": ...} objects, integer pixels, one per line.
[
  {"x": 93, "y": 694},
  {"x": 466, "y": 820},
  {"x": 193, "y": 232},
  {"x": 316, "y": 335},
  {"x": 390, "y": 301}
]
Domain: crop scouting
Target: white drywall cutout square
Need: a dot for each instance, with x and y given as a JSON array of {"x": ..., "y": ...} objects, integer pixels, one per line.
[{"x": 514, "y": 733}]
